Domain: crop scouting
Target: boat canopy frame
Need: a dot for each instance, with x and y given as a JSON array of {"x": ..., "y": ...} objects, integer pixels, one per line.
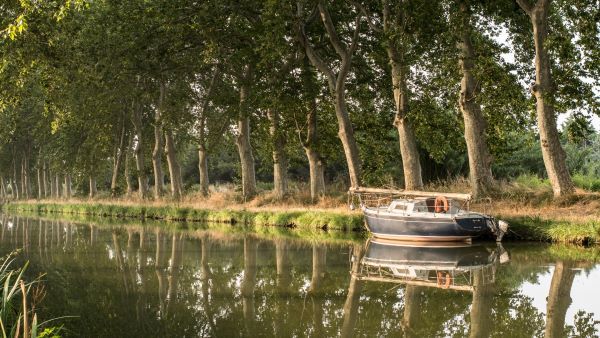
[{"x": 381, "y": 194}]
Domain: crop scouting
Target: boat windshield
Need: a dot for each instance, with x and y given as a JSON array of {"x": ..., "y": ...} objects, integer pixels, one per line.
[{"x": 429, "y": 206}]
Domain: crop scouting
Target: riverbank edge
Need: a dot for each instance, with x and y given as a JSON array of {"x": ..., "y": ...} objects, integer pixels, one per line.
[
  {"x": 308, "y": 219},
  {"x": 524, "y": 227}
]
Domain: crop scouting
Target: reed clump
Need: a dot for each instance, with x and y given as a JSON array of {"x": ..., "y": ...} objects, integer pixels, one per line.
[{"x": 20, "y": 299}]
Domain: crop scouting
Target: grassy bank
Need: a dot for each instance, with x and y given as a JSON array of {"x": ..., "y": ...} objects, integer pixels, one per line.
[
  {"x": 307, "y": 219},
  {"x": 525, "y": 224}
]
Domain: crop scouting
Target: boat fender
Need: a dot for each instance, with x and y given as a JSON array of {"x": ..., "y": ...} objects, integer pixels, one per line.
[
  {"x": 444, "y": 281},
  {"x": 440, "y": 204}
]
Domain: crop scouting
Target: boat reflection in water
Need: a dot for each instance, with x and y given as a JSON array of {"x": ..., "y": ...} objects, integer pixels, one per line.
[{"x": 452, "y": 265}]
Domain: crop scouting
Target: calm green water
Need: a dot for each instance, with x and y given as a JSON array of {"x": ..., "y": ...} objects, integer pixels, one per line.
[{"x": 147, "y": 281}]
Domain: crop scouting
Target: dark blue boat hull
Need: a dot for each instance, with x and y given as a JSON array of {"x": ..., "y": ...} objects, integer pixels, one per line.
[{"x": 413, "y": 228}]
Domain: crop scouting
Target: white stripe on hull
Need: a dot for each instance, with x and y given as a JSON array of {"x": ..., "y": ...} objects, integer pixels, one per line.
[{"x": 417, "y": 238}]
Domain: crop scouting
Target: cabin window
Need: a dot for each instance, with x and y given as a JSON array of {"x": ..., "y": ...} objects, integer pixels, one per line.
[
  {"x": 420, "y": 207},
  {"x": 400, "y": 207}
]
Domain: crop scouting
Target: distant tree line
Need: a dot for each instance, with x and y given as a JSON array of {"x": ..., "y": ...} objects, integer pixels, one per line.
[{"x": 151, "y": 97}]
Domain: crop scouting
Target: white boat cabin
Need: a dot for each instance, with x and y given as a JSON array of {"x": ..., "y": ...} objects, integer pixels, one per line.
[{"x": 421, "y": 205}]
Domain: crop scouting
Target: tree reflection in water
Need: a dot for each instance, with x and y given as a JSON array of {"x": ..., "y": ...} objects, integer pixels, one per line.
[{"x": 142, "y": 280}]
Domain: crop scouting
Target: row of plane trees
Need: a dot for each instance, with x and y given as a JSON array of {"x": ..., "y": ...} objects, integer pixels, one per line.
[{"x": 105, "y": 93}]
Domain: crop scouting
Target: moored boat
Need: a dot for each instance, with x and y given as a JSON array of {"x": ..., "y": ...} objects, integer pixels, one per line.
[{"x": 427, "y": 216}]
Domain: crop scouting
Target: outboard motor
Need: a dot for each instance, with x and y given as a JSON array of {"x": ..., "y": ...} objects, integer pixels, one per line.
[{"x": 498, "y": 227}]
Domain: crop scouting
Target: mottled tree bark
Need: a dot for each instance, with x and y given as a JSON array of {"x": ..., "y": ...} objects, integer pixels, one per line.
[
  {"x": 157, "y": 153},
  {"x": 243, "y": 142},
  {"x": 40, "y": 183},
  {"x": 139, "y": 151},
  {"x": 93, "y": 186},
  {"x": 52, "y": 185},
  {"x": 309, "y": 143},
  {"x": 174, "y": 167},
  {"x": 337, "y": 86},
  {"x": 280, "y": 177},
  {"x": 409, "y": 152},
  {"x": 126, "y": 170},
  {"x": 45, "y": 179},
  {"x": 543, "y": 90},
  {"x": 68, "y": 191},
  {"x": 117, "y": 158},
  {"x": 14, "y": 186},
  {"x": 559, "y": 299},
  {"x": 26, "y": 182},
  {"x": 58, "y": 186},
  {"x": 202, "y": 134},
  {"x": 3, "y": 192},
  {"x": 480, "y": 160},
  {"x": 203, "y": 169}
]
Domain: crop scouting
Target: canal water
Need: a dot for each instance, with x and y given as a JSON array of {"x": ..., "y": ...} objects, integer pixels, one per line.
[{"x": 174, "y": 281}]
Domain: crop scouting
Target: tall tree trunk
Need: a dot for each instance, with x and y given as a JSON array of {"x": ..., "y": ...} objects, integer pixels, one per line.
[
  {"x": 118, "y": 157},
  {"x": 543, "y": 89},
  {"x": 243, "y": 142},
  {"x": 280, "y": 178},
  {"x": 203, "y": 153},
  {"x": 25, "y": 181},
  {"x": 157, "y": 153},
  {"x": 203, "y": 169},
  {"x": 337, "y": 86},
  {"x": 126, "y": 171},
  {"x": 52, "y": 186},
  {"x": 480, "y": 160},
  {"x": 14, "y": 185},
  {"x": 202, "y": 144},
  {"x": 411, "y": 164},
  {"x": 559, "y": 299},
  {"x": 45, "y": 179},
  {"x": 40, "y": 183},
  {"x": 3, "y": 193},
  {"x": 68, "y": 191},
  {"x": 174, "y": 167},
  {"x": 346, "y": 135},
  {"x": 58, "y": 185},
  {"x": 139, "y": 151},
  {"x": 309, "y": 143},
  {"x": 93, "y": 187}
]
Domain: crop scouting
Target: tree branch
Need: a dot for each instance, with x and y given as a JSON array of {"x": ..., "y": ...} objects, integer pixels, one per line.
[
  {"x": 314, "y": 58},
  {"x": 525, "y": 6},
  {"x": 336, "y": 42},
  {"x": 367, "y": 15},
  {"x": 354, "y": 43}
]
